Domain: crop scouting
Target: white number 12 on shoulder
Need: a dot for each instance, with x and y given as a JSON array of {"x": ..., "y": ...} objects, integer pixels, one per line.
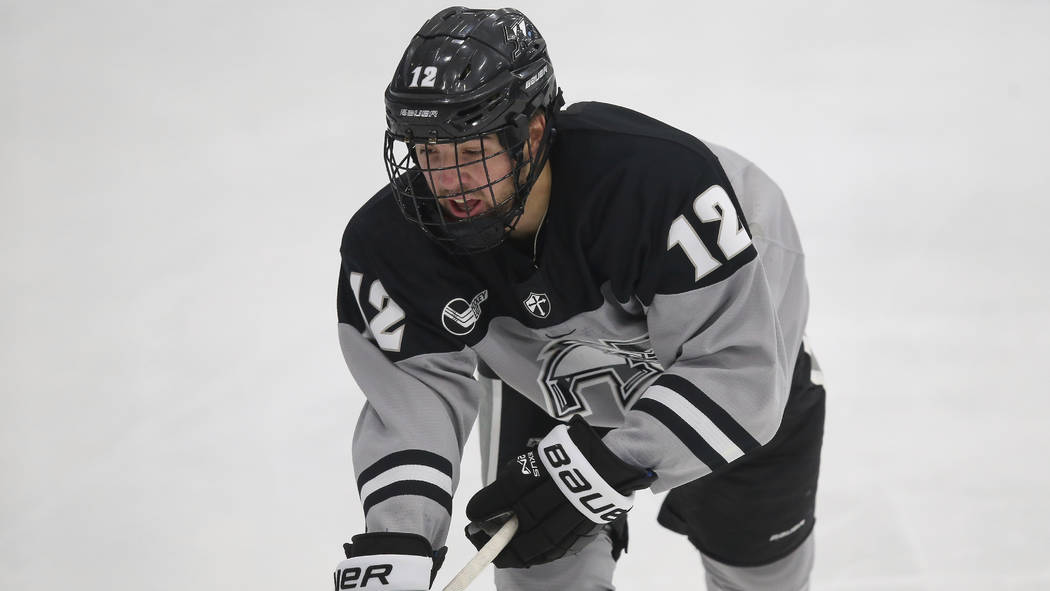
[{"x": 712, "y": 205}]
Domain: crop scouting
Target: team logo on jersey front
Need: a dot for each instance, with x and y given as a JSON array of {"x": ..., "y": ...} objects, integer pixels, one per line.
[
  {"x": 538, "y": 304},
  {"x": 460, "y": 316},
  {"x": 577, "y": 373}
]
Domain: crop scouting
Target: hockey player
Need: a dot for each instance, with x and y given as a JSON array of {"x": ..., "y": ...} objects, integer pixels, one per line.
[{"x": 622, "y": 303}]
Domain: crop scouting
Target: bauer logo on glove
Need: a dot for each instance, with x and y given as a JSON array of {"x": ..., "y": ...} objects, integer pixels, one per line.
[
  {"x": 353, "y": 577},
  {"x": 572, "y": 473},
  {"x": 563, "y": 494}
]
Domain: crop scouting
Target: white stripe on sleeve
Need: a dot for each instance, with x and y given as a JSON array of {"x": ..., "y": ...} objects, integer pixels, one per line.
[
  {"x": 697, "y": 420},
  {"x": 409, "y": 472}
]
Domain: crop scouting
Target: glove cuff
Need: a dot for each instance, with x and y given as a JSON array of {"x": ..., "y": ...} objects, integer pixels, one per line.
[
  {"x": 622, "y": 476},
  {"x": 394, "y": 561},
  {"x": 387, "y": 543},
  {"x": 590, "y": 476}
]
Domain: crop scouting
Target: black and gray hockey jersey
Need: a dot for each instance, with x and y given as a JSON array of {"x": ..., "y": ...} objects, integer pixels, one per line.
[{"x": 664, "y": 297}]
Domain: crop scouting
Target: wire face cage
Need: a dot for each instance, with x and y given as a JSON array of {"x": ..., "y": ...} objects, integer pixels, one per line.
[{"x": 466, "y": 193}]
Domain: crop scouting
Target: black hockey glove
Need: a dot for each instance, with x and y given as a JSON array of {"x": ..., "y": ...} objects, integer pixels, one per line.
[
  {"x": 563, "y": 492},
  {"x": 388, "y": 561}
]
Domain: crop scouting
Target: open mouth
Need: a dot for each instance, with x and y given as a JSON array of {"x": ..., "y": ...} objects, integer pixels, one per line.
[{"x": 459, "y": 207}]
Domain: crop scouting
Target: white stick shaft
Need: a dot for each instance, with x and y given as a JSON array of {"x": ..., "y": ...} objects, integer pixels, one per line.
[{"x": 487, "y": 554}]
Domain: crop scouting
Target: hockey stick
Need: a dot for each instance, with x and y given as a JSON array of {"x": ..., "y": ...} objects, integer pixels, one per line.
[{"x": 487, "y": 554}]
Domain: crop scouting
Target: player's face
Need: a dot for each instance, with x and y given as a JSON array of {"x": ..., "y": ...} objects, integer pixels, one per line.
[{"x": 461, "y": 175}]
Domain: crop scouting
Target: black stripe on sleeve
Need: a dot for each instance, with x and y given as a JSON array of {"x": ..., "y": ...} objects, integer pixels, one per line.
[
  {"x": 408, "y": 457},
  {"x": 726, "y": 423},
  {"x": 409, "y": 487},
  {"x": 683, "y": 431}
]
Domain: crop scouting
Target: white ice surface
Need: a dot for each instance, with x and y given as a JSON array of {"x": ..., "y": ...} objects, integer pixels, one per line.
[{"x": 174, "y": 179}]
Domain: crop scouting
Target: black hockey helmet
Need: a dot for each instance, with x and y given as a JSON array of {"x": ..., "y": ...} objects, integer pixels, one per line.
[{"x": 468, "y": 74}]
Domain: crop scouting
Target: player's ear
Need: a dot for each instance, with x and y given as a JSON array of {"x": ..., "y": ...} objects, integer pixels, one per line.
[{"x": 536, "y": 126}]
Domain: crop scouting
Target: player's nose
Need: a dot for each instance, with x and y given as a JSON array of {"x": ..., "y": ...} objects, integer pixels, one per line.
[{"x": 446, "y": 180}]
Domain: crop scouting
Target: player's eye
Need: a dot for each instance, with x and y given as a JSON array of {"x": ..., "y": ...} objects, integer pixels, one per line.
[{"x": 426, "y": 153}]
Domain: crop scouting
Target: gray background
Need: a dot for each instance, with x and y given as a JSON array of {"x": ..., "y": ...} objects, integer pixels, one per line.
[{"x": 175, "y": 413}]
